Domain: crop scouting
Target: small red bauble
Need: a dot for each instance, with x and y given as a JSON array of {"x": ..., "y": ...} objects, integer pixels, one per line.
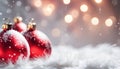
[{"x": 19, "y": 25}]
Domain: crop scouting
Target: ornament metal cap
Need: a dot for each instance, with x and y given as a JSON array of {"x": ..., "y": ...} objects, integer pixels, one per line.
[
  {"x": 32, "y": 24},
  {"x": 7, "y": 25},
  {"x": 17, "y": 19}
]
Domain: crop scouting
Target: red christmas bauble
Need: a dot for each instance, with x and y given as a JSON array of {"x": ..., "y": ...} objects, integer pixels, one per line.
[
  {"x": 20, "y": 27},
  {"x": 13, "y": 45},
  {"x": 40, "y": 46}
]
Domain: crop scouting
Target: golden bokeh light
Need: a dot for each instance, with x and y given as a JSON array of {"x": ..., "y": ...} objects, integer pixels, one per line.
[
  {"x": 108, "y": 22},
  {"x": 98, "y": 1},
  {"x": 68, "y": 18},
  {"x": 48, "y": 9},
  {"x": 95, "y": 21},
  {"x": 37, "y": 3},
  {"x": 66, "y": 2},
  {"x": 84, "y": 8}
]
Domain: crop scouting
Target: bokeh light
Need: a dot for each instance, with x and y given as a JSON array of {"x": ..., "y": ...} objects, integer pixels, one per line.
[
  {"x": 81, "y": 17},
  {"x": 66, "y": 2},
  {"x": 87, "y": 17},
  {"x": 84, "y": 8},
  {"x": 74, "y": 13},
  {"x": 56, "y": 32},
  {"x": 108, "y": 22},
  {"x": 37, "y": 3},
  {"x": 95, "y": 21},
  {"x": 113, "y": 18},
  {"x": 68, "y": 18},
  {"x": 48, "y": 9},
  {"x": 98, "y": 1}
]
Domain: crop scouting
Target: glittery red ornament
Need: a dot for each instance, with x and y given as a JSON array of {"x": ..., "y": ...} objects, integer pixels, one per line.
[
  {"x": 40, "y": 46},
  {"x": 13, "y": 45}
]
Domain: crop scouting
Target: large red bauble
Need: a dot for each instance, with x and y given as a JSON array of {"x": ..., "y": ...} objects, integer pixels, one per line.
[
  {"x": 20, "y": 27},
  {"x": 40, "y": 46},
  {"x": 13, "y": 45}
]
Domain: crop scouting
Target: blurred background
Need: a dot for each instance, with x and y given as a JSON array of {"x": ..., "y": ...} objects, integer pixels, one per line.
[{"x": 69, "y": 22}]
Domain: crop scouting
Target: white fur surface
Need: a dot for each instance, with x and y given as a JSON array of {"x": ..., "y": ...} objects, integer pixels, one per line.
[{"x": 104, "y": 56}]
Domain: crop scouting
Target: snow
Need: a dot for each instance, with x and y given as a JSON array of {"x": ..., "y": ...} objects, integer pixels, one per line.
[
  {"x": 38, "y": 34},
  {"x": 41, "y": 35},
  {"x": 102, "y": 56}
]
